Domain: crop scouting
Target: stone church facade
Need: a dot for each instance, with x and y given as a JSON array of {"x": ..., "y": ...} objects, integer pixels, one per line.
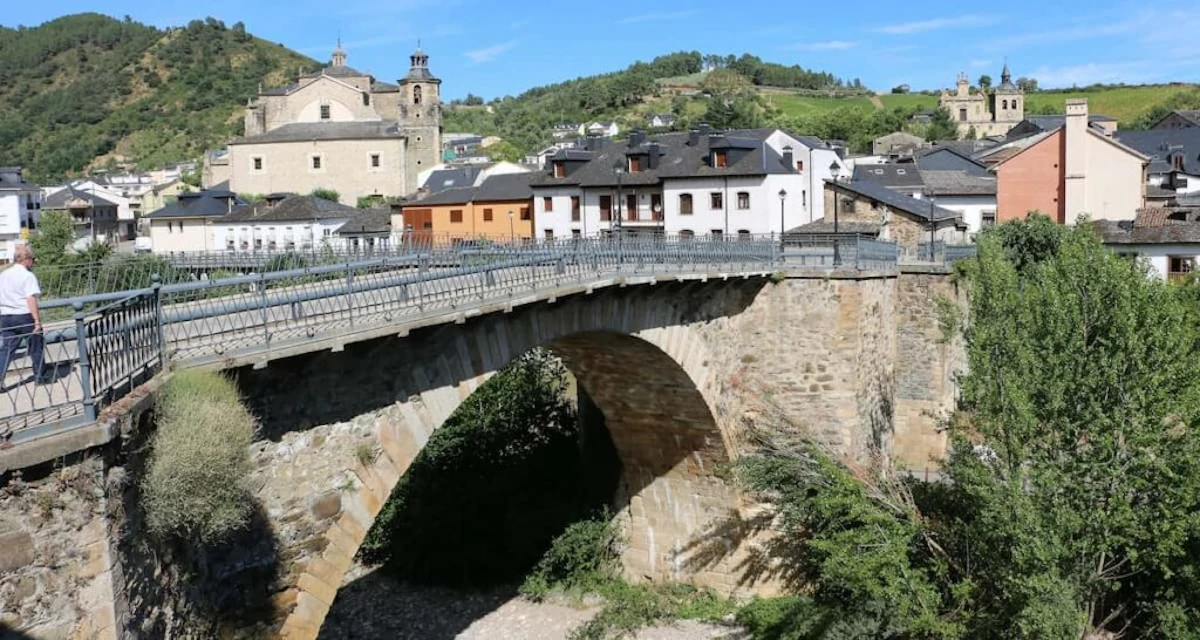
[
  {"x": 987, "y": 114},
  {"x": 341, "y": 129}
]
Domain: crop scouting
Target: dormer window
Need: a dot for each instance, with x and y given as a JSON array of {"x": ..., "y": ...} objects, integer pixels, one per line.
[
  {"x": 417, "y": 94},
  {"x": 720, "y": 159},
  {"x": 635, "y": 164},
  {"x": 559, "y": 170},
  {"x": 1177, "y": 161},
  {"x": 324, "y": 112}
]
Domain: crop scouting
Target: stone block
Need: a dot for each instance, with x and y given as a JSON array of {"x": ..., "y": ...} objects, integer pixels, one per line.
[
  {"x": 309, "y": 584},
  {"x": 16, "y": 550},
  {"x": 326, "y": 505}
]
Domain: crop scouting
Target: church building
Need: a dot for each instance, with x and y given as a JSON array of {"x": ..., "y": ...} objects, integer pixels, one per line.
[
  {"x": 340, "y": 129},
  {"x": 981, "y": 112}
]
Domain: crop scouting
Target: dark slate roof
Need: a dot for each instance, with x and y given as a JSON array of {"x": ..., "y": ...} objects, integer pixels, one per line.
[
  {"x": 1191, "y": 115},
  {"x": 959, "y": 183},
  {"x": 896, "y": 176},
  {"x": 196, "y": 204},
  {"x": 1159, "y": 144},
  {"x": 822, "y": 226},
  {"x": 1050, "y": 123},
  {"x": 419, "y": 74},
  {"x": 678, "y": 160},
  {"x": 813, "y": 142},
  {"x": 965, "y": 147},
  {"x": 291, "y": 209},
  {"x": 10, "y": 178},
  {"x": 506, "y": 186},
  {"x": 1159, "y": 193},
  {"x": 368, "y": 222},
  {"x": 306, "y": 131},
  {"x": 58, "y": 200},
  {"x": 454, "y": 195},
  {"x": 1126, "y": 232},
  {"x": 442, "y": 179},
  {"x": 896, "y": 201},
  {"x": 949, "y": 159}
]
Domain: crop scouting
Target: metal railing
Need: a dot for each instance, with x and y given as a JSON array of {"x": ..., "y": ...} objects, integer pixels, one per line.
[{"x": 114, "y": 341}]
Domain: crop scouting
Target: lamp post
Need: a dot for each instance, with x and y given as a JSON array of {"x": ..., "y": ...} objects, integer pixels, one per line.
[
  {"x": 782, "y": 197},
  {"x": 835, "y": 170},
  {"x": 932, "y": 225},
  {"x": 512, "y": 236}
]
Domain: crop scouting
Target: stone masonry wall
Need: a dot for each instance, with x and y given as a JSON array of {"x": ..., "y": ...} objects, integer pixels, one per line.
[
  {"x": 928, "y": 367},
  {"x": 55, "y": 561}
]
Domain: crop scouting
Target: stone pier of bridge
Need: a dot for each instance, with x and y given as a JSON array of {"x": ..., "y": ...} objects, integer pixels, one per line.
[{"x": 680, "y": 370}]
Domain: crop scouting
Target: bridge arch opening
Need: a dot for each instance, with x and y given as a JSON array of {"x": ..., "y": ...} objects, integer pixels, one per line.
[{"x": 635, "y": 352}]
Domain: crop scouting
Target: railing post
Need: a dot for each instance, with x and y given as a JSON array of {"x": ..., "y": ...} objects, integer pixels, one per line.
[
  {"x": 262, "y": 298},
  {"x": 160, "y": 326},
  {"x": 85, "y": 365},
  {"x": 858, "y": 252},
  {"x": 350, "y": 292}
]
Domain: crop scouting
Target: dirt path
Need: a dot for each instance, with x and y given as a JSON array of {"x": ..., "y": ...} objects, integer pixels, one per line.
[
  {"x": 876, "y": 101},
  {"x": 372, "y": 606}
]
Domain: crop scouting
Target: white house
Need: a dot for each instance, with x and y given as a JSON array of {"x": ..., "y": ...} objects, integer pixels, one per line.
[
  {"x": 128, "y": 206},
  {"x": 20, "y": 208},
  {"x": 294, "y": 223},
  {"x": 702, "y": 182},
  {"x": 661, "y": 120},
  {"x": 606, "y": 128},
  {"x": 1167, "y": 239}
]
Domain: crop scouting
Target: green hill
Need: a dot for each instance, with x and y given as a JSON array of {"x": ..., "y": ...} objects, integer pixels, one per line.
[{"x": 86, "y": 89}]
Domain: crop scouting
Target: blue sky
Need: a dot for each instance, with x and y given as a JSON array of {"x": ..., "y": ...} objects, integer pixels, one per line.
[{"x": 495, "y": 48}]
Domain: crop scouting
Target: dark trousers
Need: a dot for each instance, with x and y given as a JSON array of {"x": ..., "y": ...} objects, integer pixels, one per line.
[{"x": 14, "y": 330}]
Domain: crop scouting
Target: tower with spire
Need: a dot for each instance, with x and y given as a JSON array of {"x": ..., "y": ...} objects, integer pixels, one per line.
[
  {"x": 420, "y": 116},
  {"x": 1008, "y": 101}
]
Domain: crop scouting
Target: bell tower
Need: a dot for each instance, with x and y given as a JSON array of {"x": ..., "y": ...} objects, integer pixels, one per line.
[{"x": 420, "y": 119}]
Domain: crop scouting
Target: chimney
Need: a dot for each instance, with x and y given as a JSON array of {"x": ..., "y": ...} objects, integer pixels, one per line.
[
  {"x": 704, "y": 131},
  {"x": 693, "y": 137},
  {"x": 788, "y": 161},
  {"x": 636, "y": 137},
  {"x": 1075, "y": 161},
  {"x": 655, "y": 150}
]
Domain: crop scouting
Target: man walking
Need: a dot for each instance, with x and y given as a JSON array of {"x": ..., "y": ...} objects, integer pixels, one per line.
[{"x": 19, "y": 317}]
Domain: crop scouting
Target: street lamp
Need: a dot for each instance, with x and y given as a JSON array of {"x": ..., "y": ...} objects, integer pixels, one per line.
[
  {"x": 512, "y": 236},
  {"x": 782, "y": 197},
  {"x": 932, "y": 225},
  {"x": 835, "y": 170}
]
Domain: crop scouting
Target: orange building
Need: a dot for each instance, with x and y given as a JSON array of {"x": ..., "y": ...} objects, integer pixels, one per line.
[
  {"x": 500, "y": 208},
  {"x": 1071, "y": 171}
]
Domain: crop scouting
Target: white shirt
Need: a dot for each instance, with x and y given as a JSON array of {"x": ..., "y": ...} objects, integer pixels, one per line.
[{"x": 16, "y": 285}]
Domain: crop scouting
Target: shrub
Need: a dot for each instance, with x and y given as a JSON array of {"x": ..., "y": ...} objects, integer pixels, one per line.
[
  {"x": 326, "y": 194},
  {"x": 194, "y": 487},
  {"x": 580, "y": 560}
]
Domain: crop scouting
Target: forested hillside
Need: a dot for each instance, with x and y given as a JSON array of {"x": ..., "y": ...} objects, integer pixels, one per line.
[{"x": 88, "y": 88}]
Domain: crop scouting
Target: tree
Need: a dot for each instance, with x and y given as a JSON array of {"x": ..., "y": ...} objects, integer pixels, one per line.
[
  {"x": 504, "y": 151},
  {"x": 54, "y": 234},
  {"x": 1028, "y": 85},
  {"x": 473, "y": 100},
  {"x": 326, "y": 194},
  {"x": 985, "y": 82},
  {"x": 941, "y": 127}
]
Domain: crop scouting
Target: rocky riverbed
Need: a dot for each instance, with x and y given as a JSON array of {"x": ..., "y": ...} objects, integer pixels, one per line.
[{"x": 370, "y": 605}]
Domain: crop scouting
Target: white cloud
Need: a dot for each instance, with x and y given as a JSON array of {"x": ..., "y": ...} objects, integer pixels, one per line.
[
  {"x": 487, "y": 54},
  {"x": 936, "y": 24},
  {"x": 666, "y": 16},
  {"x": 830, "y": 45}
]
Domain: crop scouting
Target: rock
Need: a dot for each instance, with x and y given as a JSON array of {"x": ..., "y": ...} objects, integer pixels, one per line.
[
  {"x": 26, "y": 587},
  {"x": 16, "y": 550},
  {"x": 327, "y": 505}
]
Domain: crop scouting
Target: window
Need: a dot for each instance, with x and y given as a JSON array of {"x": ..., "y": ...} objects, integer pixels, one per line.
[
  {"x": 1004, "y": 104},
  {"x": 525, "y": 213},
  {"x": 575, "y": 233},
  {"x": 1177, "y": 161},
  {"x": 487, "y": 215},
  {"x": 575, "y": 208},
  {"x": 366, "y": 99},
  {"x": 605, "y": 208},
  {"x": 800, "y": 165},
  {"x": 716, "y": 234},
  {"x": 548, "y": 234},
  {"x": 716, "y": 200},
  {"x": 1014, "y": 103},
  {"x": 685, "y": 204},
  {"x": 962, "y": 115},
  {"x": 720, "y": 159},
  {"x": 374, "y": 160},
  {"x": 804, "y": 198},
  {"x": 901, "y": 172},
  {"x": 258, "y": 163},
  {"x": 743, "y": 234},
  {"x": 559, "y": 170},
  {"x": 635, "y": 164},
  {"x": 229, "y": 243},
  {"x": 324, "y": 112},
  {"x": 1179, "y": 267},
  {"x": 417, "y": 94},
  {"x": 316, "y": 162},
  {"x": 989, "y": 218},
  {"x": 456, "y": 216},
  {"x": 743, "y": 199},
  {"x": 548, "y": 203}
]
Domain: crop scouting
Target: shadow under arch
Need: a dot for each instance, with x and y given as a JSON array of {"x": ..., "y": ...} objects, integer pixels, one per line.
[{"x": 641, "y": 354}]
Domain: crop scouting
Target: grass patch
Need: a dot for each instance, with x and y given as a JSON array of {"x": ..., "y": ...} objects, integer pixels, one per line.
[
  {"x": 908, "y": 101},
  {"x": 792, "y": 105},
  {"x": 195, "y": 482}
]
